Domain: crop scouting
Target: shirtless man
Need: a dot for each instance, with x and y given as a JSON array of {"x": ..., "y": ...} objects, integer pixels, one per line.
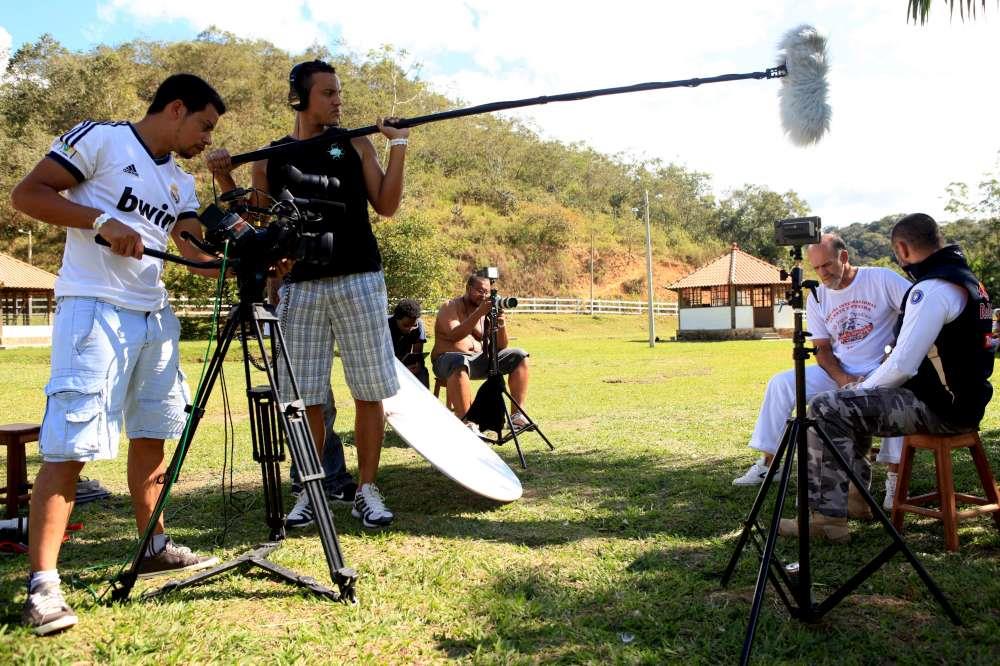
[{"x": 457, "y": 356}]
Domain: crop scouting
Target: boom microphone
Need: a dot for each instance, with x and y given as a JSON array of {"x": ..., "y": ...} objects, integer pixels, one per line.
[
  {"x": 805, "y": 114},
  {"x": 802, "y": 65}
]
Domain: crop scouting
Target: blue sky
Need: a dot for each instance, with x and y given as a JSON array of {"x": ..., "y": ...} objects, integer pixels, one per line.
[{"x": 914, "y": 107}]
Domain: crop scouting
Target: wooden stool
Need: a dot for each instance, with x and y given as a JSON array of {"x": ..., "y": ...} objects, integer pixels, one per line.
[
  {"x": 14, "y": 436},
  {"x": 945, "y": 495}
]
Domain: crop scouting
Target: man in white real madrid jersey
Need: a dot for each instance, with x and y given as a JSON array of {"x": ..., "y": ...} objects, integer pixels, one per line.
[{"x": 115, "y": 339}]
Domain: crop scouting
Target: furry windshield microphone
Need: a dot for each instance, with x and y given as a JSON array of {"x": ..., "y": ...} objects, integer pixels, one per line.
[{"x": 805, "y": 114}]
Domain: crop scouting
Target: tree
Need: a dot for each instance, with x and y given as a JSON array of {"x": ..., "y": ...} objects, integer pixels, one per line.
[{"x": 747, "y": 218}]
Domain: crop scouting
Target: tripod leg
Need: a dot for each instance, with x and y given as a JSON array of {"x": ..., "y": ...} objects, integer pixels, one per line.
[
  {"x": 772, "y": 538},
  {"x": 513, "y": 433},
  {"x": 303, "y": 450},
  {"x": 758, "y": 503},
  {"x": 531, "y": 422},
  {"x": 898, "y": 542},
  {"x": 126, "y": 579}
]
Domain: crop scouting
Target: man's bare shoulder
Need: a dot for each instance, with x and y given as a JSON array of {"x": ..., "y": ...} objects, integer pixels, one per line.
[{"x": 449, "y": 309}]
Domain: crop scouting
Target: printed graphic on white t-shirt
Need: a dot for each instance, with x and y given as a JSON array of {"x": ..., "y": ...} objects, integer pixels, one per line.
[
  {"x": 859, "y": 319},
  {"x": 118, "y": 175}
]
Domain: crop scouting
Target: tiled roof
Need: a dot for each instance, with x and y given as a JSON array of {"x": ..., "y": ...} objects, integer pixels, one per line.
[
  {"x": 734, "y": 267},
  {"x": 16, "y": 274}
]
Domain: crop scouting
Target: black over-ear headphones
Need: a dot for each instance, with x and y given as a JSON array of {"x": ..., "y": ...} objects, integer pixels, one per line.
[{"x": 298, "y": 95}]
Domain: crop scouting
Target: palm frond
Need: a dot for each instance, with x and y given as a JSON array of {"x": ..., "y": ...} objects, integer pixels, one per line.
[{"x": 919, "y": 10}]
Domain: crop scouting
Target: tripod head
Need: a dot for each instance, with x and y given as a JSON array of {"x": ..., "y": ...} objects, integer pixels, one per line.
[{"x": 794, "y": 292}]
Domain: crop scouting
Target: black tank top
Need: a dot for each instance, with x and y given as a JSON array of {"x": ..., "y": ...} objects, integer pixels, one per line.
[{"x": 355, "y": 249}]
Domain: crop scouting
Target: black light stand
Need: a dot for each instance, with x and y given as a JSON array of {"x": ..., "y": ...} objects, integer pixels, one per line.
[
  {"x": 273, "y": 423},
  {"x": 492, "y": 393},
  {"x": 795, "y": 591}
]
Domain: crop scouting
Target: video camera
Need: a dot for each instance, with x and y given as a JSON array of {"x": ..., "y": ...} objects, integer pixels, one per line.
[
  {"x": 284, "y": 238},
  {"x": 294, "y": 229},
  {"x": 492, "y": 273},
  {"x": 797, "y": 231}
]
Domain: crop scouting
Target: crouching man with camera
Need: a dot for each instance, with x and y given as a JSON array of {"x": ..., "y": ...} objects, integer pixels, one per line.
[{"x": 458, "y": 358}]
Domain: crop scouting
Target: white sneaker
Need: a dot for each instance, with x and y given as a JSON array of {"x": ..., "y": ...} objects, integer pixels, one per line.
[
  {"x": 301, "y": 514},
  {"x": 755, "y": 475},
  {"x": 519, "y": 420},
  {"x": 890, "y": 490},
  {"x": 369, "y": 506}
]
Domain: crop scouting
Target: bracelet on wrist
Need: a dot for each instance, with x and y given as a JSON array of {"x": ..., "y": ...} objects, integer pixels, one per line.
[
  {"x": 99, "y": 221},
  {"x": 398, "y": 142}
]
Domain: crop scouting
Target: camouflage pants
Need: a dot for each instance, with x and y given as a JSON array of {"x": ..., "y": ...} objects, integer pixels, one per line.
[{"x": 850, "y": 418}]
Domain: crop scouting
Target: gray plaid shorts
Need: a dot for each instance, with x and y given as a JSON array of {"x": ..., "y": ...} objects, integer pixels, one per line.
[{"x": 351, "y": 310}]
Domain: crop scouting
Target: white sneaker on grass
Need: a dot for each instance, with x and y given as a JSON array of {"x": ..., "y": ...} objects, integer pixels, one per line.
[
  {"x": 369, "y": 506},
  {"x": 301, "y": 514},
  {"x": 755, "y": 475}
]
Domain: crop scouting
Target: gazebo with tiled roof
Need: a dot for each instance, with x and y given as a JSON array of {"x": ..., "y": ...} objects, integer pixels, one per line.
[
  {"x": 26, "y": 303},
  {"x": 736, "y": 295}
]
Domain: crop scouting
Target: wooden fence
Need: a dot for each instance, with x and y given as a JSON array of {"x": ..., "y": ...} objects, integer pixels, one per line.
[{"x": 533, "y": 305}]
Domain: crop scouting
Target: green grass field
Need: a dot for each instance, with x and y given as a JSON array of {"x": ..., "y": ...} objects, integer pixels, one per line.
[{"x": 612, "y": 555}]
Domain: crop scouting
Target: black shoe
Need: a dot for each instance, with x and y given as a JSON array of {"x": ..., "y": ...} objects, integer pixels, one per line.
[{"x": 344, "y": 495}]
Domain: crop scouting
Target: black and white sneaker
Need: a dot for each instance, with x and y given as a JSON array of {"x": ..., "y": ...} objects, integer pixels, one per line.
[
  {"x": 369, "y": 506},
  {"x": 344, "y": 495},
  {"x": 301, "y": 514},
  {"x": 46, "y": 611}
]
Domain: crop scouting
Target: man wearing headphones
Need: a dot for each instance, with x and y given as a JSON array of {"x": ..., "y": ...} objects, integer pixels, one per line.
[{"x": 345, "y": 300}]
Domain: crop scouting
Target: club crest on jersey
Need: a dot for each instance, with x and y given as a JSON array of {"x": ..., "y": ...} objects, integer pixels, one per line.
[
  {"x": 175, "y": 193},
  {"x": 336, "y": 152},
  {"x": 66, "y": 149},
  {"x": 159, "y": 216},
  {"x": 916, "y": 296}
]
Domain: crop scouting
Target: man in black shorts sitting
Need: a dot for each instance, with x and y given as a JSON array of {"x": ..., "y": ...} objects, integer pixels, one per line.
[{"x": 457, "y": 356}]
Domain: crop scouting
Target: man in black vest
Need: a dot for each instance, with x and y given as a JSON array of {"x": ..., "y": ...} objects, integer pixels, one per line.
[
  {"x": 935, "y": 380},
  {"x": 343, "y": 301}
]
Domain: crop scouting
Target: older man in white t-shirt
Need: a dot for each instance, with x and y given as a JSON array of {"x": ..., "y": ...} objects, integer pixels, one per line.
[{"x": 851, "y": 322}]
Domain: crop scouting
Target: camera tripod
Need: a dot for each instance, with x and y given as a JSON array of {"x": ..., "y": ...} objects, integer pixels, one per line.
[
  {"x": 273, "y": 422},
  {"x": 489, "y": 410},
  {"x": 795, "y": 590}
]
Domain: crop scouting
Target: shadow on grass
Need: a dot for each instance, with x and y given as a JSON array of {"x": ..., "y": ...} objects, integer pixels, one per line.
[{"x": 675, "y": 519}]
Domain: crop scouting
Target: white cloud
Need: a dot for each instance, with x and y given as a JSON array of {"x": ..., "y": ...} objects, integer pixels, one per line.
[{"x": 914, "y": 108}]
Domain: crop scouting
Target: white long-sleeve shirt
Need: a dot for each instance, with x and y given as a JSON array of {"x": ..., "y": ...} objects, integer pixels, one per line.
[{"x": 931, "y": 304}]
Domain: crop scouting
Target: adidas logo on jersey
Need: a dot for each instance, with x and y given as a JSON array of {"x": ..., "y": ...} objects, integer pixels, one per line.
[
  {"x": 131, "y": 170},
  {"x": 158, "y": 216}
]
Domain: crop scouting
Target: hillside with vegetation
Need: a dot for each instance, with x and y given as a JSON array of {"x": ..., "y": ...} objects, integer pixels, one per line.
[{"x": 481, "y": 190}]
